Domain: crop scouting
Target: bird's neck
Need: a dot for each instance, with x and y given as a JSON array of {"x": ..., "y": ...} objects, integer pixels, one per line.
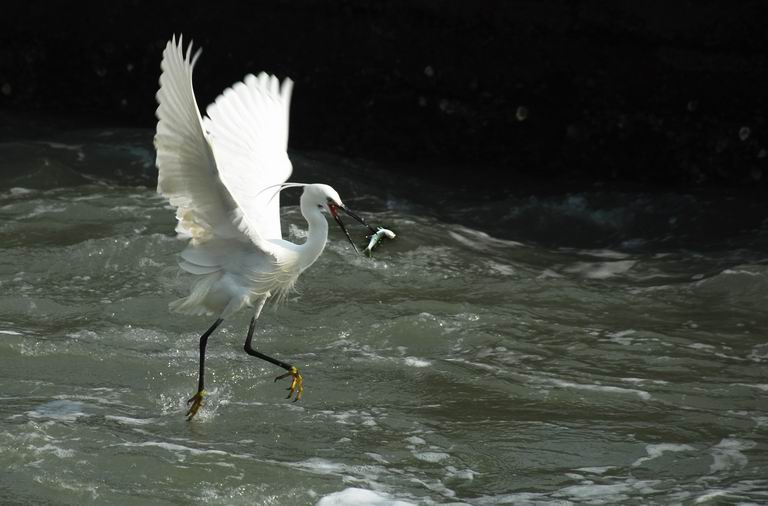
[{"x": 317, "y": 234}]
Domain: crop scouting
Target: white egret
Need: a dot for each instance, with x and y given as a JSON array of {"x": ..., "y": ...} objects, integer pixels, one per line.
[{"x": 223, "y": 174}]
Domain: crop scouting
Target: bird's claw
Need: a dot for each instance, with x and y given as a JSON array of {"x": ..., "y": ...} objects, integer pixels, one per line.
[
  {"x": 197, "y": 401},
  {"x": 297, "y": 383}
]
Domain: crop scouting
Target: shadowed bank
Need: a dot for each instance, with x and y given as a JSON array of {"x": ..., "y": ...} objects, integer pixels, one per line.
[{"x": 670, "y": 93}]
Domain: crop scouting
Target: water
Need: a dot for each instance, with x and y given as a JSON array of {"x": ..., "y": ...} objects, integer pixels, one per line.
[{"x": 592, "y": 347}]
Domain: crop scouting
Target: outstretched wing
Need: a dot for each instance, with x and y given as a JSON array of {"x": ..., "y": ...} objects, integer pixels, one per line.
[
  {"x": 248, "y": 128},
  {"x": 187, "y": 174}
]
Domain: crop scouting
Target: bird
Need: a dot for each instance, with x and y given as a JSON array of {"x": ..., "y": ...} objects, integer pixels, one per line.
[{"x": 223, "y": 172}]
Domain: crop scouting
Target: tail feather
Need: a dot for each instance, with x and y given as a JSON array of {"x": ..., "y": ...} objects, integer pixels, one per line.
[{"x": 195, "y": 303}]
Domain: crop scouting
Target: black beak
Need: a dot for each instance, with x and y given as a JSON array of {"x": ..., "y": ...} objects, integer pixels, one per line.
[
  {"x": 358, "y": 218},
  {"x": 343, "y": 227}
]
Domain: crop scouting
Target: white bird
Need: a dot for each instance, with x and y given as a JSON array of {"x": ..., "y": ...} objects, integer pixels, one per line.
[{"x": 217, "y": 171}]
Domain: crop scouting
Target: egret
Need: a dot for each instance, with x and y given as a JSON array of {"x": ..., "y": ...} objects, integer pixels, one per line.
[{"x": 223, "y": 174}]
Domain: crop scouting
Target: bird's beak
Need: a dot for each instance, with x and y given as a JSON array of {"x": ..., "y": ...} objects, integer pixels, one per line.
[{"x": 333, "y": 208}]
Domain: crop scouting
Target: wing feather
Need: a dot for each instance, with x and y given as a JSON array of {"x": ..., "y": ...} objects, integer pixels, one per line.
[
  {"x": 248, "y": 128},
  {"x": 187, "y": 174}
]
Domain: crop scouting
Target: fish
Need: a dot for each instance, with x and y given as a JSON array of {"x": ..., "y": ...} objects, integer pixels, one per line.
[{"x": 375, "y": 238}]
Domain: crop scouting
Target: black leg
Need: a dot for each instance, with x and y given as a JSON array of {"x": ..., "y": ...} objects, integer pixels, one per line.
[
  {"x": 197, "y": 399},
  {"x": 203, "y": 344},
  {"x": 250, "y": 351},
  {"x": 296, "y": 383}
]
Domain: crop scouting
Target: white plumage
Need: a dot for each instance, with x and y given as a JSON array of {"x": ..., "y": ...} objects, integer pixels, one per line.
[
  {"x": 214, "y": 170},
  {"x": 223, "y": 173}
]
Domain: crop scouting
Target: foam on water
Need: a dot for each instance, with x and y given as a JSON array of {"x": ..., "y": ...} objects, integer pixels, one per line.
[
  {"x": 174, "y": 448},
  {"x": 657, "y": 450},
  {"x": 433, "y": 457},
  {"x": 728, "y": 454},
  {"x": 417, "y": 362},
  {"x": 62, "y": 410},
  {"x": 360, "y": 497},
  {"x": 642, "y": 394},
  {"x": 600, "y": 270}
]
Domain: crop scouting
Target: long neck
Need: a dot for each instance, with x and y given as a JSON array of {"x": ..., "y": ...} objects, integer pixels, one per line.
[{"x": 317, "y": 234}]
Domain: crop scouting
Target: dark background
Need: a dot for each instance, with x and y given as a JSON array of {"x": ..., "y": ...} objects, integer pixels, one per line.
[{"x": 660, "y": 93}]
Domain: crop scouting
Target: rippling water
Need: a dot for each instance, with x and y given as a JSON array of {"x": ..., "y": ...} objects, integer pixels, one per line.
[{"x": 597, "y": 347}]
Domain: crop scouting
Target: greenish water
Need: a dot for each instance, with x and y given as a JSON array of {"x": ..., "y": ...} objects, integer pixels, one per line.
[{"x": 613, "y": 352}]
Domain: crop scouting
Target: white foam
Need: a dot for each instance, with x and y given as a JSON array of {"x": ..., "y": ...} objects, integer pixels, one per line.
[
  {"x": 503, "y": 269},
  {"x": 614, "y": 492},
  {"x": 462, "y": 474},
  {"x": 174, "y": 448},
  {"x": 595, "y": 470},
  {"x": 377, "y": 457},
  {"x": 621, "y": 337},
  {"x": 600, "y": 270},
  {"x": 760, "y": 386},
  {"x": 62, "y": 453},
  {"x": 602, "y": 388},
  {"x": 727, "y": 454},
  {"x": 431, "y": 456},
  {"x": 741, "y": 271},
  {"x": 18, "y": 190},
  {"x": 368, "y": 475},
  {"x": 656, "y": 450},
  {"x": 644, "y": 380},
  {"x": 61, "y": 145},
  {"x": 63, "y": 410},
  {"x": 600, "y": 253},
  {"x": 479, "y": 240},
  {"x": 360, "y": 497},
  {"x": 549, "y": 273},
  {"x": 622, "y": 333},
  {"x": 10, "y": 332},
  {"x": 322, "y": 466},
  {"x": 417, "y": 362},
  {"x": 521, "y": 498},
  {"x": 605, "y": 494},
  {"x": 416, "y": 440},
  {"x": 713, "y": 494},
  {"x": 129, "y": 421}
]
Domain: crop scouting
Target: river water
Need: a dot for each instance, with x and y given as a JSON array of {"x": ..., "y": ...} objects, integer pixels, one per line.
[{"x": 550, "y": 346}]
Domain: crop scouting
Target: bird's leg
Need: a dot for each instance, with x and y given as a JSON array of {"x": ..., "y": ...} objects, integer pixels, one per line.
[
  {"x": 297, "y": 383},
  {"x": 197, "y": 399}
]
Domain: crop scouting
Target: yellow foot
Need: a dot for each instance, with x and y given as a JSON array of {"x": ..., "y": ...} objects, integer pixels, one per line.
[
  {"x": 197, "y": 401},
  {"x": 297, "y": 383}
]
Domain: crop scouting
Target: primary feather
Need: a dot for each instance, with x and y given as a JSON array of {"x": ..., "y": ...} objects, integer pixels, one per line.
[
  {"x": 187, "y": 173},
  {"x": 214, "y": 171},
  {"x": 248, "y": 126}
]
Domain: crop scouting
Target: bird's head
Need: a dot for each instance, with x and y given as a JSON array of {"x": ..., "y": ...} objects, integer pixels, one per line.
[{"x": 326, "y": 198}]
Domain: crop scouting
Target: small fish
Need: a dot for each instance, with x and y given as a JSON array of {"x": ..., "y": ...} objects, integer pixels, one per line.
[{"x": 376, "y": 237}]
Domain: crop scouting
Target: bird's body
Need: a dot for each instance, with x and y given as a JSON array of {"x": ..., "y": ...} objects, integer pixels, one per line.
[
  {"x": 223, "y": 174},
  {"x": 233, "y": 273}
]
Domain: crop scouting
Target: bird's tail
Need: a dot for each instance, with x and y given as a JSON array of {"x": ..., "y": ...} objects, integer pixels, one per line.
[{"x": 195, "y": 303}]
